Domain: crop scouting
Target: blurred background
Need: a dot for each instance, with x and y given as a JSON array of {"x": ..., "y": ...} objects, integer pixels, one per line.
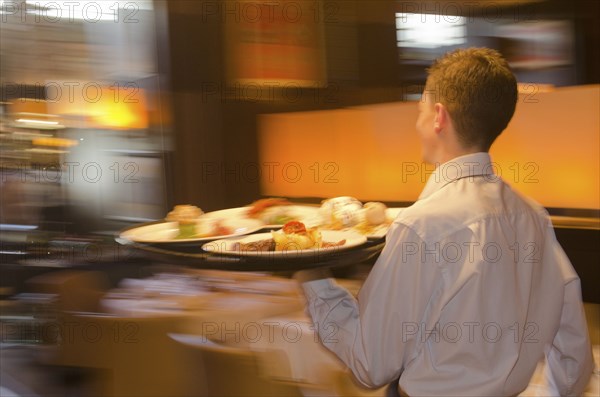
[{"x": 112, "y": 112}]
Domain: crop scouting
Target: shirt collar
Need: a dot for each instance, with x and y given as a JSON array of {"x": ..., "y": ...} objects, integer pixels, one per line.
[{"x": 458, "y": 168}]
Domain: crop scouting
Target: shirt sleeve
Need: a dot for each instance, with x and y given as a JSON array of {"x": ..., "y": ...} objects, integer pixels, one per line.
[
  {"x": 375, "y": 336},
  {"x": 570, "y": 360}
]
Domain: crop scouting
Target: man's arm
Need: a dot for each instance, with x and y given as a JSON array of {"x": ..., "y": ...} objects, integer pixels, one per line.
[
  {"x": 570, "y": 361},
  {"x": 370, "y": 335}
]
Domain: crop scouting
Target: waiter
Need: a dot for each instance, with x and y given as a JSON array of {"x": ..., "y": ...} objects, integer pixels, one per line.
[{"x": 472, "y": 289}]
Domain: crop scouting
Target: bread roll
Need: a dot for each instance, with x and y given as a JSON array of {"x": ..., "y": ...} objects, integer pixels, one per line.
[{"x": 375, "y": 213}]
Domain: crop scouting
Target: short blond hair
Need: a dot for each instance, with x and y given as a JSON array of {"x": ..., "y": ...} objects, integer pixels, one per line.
[{"x": 479, "y": 90}]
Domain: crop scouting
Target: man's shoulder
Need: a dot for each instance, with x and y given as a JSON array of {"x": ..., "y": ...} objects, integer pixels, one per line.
[
  {"x": 456, "y": 208},
  {"x": 430, "y": 221}
]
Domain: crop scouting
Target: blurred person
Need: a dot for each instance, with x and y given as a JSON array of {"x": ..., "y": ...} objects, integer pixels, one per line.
[{"x": 472, "y": 288}]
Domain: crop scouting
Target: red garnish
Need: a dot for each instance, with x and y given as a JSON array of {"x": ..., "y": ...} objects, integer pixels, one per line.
[
  {"x": 294, "y": 227},
  {"x": 220, "y": 230},
  {"x": 259, "y": 206}
]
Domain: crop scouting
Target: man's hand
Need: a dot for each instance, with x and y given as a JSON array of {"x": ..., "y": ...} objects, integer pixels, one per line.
[{"x": 304, "y": 276}]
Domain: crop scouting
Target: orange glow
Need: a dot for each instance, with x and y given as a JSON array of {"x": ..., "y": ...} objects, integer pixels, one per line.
[
  {"x": 103, "y": 107},
  {"x": 121, "y": 114},
  {"x": 550, "y": 151},
  {"x": 25, "y": 105},
  {"x": 54, "y": 142}
]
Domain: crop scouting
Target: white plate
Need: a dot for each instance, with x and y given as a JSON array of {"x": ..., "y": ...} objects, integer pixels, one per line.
[
  {"x": 166, "y": 232},
  {"x": 309, "y": 215},
  {"x": 225, "y": 246}
]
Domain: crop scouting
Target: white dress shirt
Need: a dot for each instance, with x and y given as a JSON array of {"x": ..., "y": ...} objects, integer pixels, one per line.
[{"x": 470, "y": 291}]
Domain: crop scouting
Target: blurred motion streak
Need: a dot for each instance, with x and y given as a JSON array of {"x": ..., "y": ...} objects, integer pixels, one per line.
[
  {"x": 275, "y": 42},
  {"x": 82, "y": 142}
]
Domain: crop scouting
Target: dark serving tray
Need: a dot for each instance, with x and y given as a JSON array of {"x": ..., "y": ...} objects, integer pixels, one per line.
[{"x": 194, "y": 256}]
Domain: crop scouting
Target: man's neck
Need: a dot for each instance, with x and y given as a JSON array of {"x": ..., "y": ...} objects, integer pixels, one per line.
[{"x": 447, "y": 155}]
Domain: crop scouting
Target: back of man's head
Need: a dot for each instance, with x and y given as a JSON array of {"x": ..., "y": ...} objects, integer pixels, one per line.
[{"x": 479, "y": 90}]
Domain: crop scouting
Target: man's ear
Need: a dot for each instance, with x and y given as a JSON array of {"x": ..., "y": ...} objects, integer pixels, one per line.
[{"x": 441, "y": 118}]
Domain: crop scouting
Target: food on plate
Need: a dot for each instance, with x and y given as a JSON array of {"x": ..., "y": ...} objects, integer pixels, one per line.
[
  {"x": 259, "y": 246},
  {"x": 257, "y": 207},
  {"x": 375, "y": 213},
  {"x": 277, "y": 216},
  {"x": 294, "y": 227},
  {"x": 191, "y": 225},
  {"x": 340, "y": 212},
  {"x": 349, "y": 213},
  {"x": 272, "y": 211},
  {"x": 211, "y": 228},
  {"x": 220, "y": 230},
  {"x": 292, "y": 237},
  {"x": 374, "y": 220},
  {"x": 186, "y": 217},
  {"x": 329, "y": 244}
]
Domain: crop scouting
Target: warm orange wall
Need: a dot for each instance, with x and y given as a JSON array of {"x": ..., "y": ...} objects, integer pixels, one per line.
[
  {"x": 561, "y": 135},
  {"x": 550, "y": 151}
]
